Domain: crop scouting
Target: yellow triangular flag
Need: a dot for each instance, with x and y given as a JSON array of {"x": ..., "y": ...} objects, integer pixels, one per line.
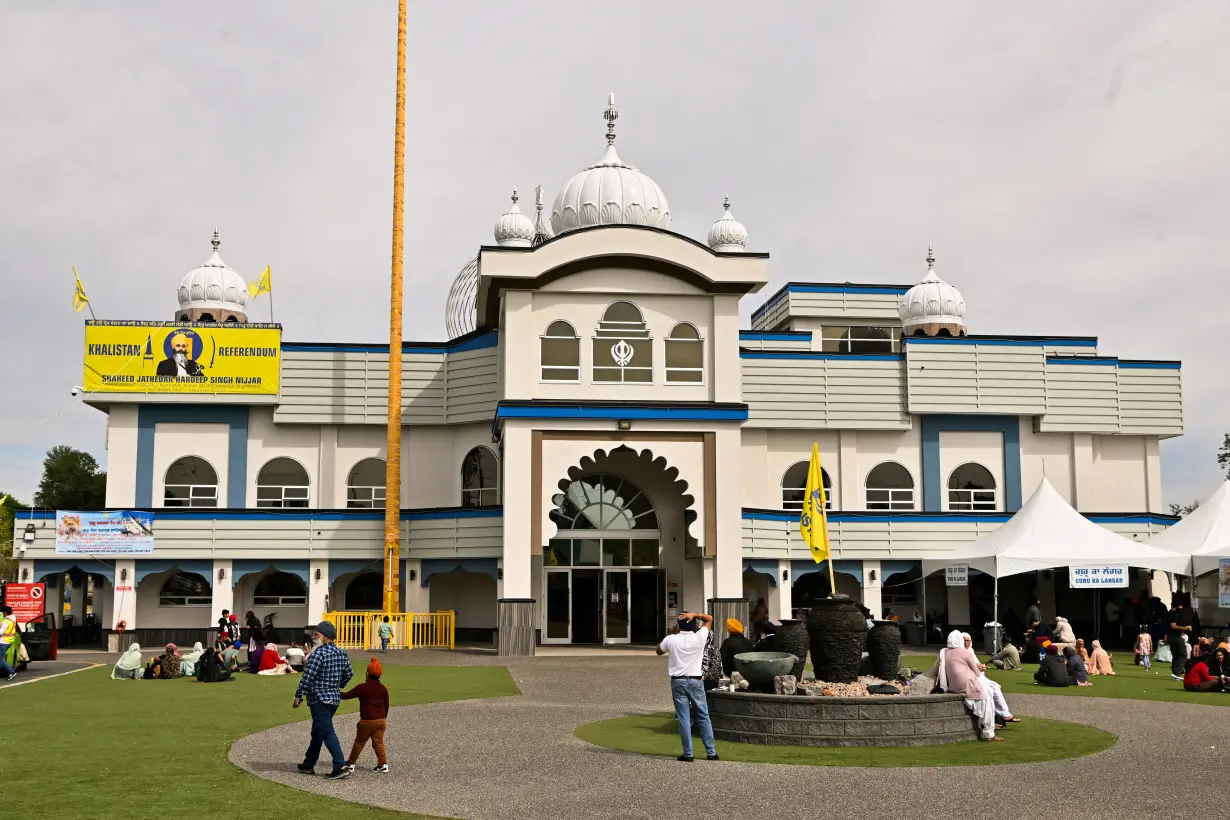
[
  {"x": 79, "y": 298},
  {"x": 262, "y": 285},
  {"x": 813, "y": 523}
]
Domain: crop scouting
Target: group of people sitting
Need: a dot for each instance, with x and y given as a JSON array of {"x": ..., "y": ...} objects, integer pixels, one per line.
[
  {"x": 212, "y": 665},
  {"x": 1208, "y": 668},
  {"x": 1072, "y": 665}
]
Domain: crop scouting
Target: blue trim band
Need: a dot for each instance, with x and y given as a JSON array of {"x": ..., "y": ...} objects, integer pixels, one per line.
[
  {"x": 1090, "y": 360},
  {"x": 150, "y": 415},
  {"x": 344, "y": 566},
  {"x": 854, "y": 357},
  {"x": 1130, "y": 365},
  {"x": 775, "y": 336},
  {"x": 249, "y": 566},
  {"x": 893, "y": 290},
  {"x": 933, "y": 484},
  {"x": 763, "y": 566},
  {"x": 629, "y": 412},
  {"x": 955, "y": 340},
  {"x": 200, "y": 566}
]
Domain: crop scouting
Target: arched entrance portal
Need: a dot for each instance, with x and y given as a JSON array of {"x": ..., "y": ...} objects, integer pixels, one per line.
[{"x": 604, "y": 581}]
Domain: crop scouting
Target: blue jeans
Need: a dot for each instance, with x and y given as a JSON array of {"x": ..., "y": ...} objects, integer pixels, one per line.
[
  {"x": 688, "y": 695},
  {"x": 323, "y": 732},
  {"x": 384, "y": 644},
  {"x": 5, "y": 669}
]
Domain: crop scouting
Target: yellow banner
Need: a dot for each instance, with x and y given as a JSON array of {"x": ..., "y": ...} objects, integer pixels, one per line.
[{"x": 160, "y": 357}]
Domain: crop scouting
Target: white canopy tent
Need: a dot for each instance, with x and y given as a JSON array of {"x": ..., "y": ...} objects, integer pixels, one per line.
[{"x": 1204, "y": 533}]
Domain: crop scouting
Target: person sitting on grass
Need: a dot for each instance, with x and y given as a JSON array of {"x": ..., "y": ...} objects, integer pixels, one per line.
[
  {"x": 169, "y": 663},
  {"x": 957, "y": 672},
  {"x": 1054, "y": 671},
  {"x": 1078, "y": 673},
  {"x": 272, "y": 663},
  {"x": 128, "y": 667},
  {"x": 189, "y": 660},
  {"x": 1099, "y": 661},
  {"x": 295, "y": 657},
  {"x": 209, "y": 669},
  {"x": 1008, "y": 657},
  {"x": 1198, "y": 679},
  {"x": 1218, "y": 662},
  {"x": 1082, "y": 651},
  {"x": 230, "y": 657}
]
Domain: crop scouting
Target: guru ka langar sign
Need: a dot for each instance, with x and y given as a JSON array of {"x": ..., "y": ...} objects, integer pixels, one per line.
[{"x": 155, "y": 357}]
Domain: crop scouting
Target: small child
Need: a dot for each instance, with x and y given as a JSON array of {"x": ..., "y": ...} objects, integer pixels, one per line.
[
  {"x": 1144, "y": 648},
  {"x": 373, "y": 714},
  {"x": 386, "y": 634}
]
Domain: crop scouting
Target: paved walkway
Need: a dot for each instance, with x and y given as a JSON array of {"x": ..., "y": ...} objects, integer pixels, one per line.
[{"x": 517, "y": 757}]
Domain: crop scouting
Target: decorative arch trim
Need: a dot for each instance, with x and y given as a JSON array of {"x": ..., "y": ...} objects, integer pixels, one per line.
[
  {"x": 851, "y": 567},
  {"x": 437, "y": 566},
  {"x": 146, "y": 568},
  {"x": 246, "y": 566}
]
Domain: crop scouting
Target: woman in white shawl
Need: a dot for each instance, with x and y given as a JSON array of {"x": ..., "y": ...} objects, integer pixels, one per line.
[
  {"x": 189, "y": 660},
  {"x": 128, "y": 667},
  {"x": 1002, "y": 713},
  {"x": 957, "y": 672}
]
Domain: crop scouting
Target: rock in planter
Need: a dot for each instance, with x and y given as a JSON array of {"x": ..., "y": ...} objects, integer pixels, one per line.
[
  {"x": 785, "y": 685},
  {"x": 884, "y": 649},
  {"x": 838, "y": 632},
  {"x": 791, "y": 637}
]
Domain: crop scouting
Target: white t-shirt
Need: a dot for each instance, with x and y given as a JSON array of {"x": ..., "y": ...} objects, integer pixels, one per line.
[
  {"x": 685, "y": 652},
  {"x": 294, "y": 653}
]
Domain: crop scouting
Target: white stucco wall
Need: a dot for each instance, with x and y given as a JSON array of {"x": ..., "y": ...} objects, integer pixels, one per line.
[
  {"x": 122, "y": 455},
  {"x": 873, "y": 448},
  {"x": 985, "y": 448},
  {"x": 152, "y": 616},
  {"x": 766, "y": 463},
  {"x": 267, "y": 441},
  {"x": 472, "y": 595},
  {"x": 1048, "y": 455},
  {"x": 1119, "y": 474},
  {"x": 173, "y": 441}
]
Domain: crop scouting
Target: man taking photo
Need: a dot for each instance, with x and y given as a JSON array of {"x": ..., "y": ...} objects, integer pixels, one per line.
[{"x": 685, "y": 651}]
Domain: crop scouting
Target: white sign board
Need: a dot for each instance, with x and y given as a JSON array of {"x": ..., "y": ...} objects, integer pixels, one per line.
[
  {"x": 1102, "y": 575},
  {"x": 956, "y": 576}
]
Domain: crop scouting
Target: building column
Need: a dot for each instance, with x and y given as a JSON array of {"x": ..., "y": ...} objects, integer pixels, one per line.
[
  {"x": 124, "y": 606},
  {"x": 222, "y": 585},
  {"x": 785, "y": 592},
  {"x": 723, "y": 493},
  {"x": 873, "y": 590},
  {"x": 318, "y": 589},
  {"x": 328, "y": 493},
  {"x": 1153, "y": 477},
  {"x": 80, "y": 588},
  {"x": 847, "y": 481},
  {"x": 1083, "y": 490},
  {"x": 515, "y": 605},
  {"x": 416, "y": 597}
]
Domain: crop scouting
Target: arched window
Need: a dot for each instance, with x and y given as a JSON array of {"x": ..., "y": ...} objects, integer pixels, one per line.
[
  {"x": 365, "y": 484},
  {"x": 603, "y": 502},
  {"x": 185, "y": 589},
  {"x": 480, "y": 485},
  {"x": 890, "y": 487},
  {"x": 685, "y": 355},
  {"x": 232, "y": 318},
  {"x": 282, "y": 482},
  {"x": 280, "y": 589},
  {"x": 184, "y": 318},
  {"x": 561, "y": 353},
  {"x": 365, "y": 592},
  {"x": 206, "y": 317},
  {"x": 971, "y": 488},
  {"x": 794, "y": 487},
  {"x": 190, "y": 482},
  {"x": 623, "y": 349}
]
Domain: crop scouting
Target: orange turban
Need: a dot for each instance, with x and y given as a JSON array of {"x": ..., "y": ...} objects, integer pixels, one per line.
[
  {"x": 733, "y": 626},
  {"x": 374, "y": 669}
]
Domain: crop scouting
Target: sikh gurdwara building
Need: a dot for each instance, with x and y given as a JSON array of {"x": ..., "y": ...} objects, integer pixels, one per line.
[{"x": 599, "y": 444}]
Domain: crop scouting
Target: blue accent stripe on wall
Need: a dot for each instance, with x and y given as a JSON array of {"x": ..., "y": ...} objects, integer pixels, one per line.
[
  {"x": 853, "y": 357},
  {"x": 263, "y": 514},
  {"x": 480, "y": 342},
  {"x": 150, "y": 415},
  {"x": 948, "y": 518},
  {"x": 1089, "y": 360},
  {"x": 933, "y": 481},
  {"x": 775, "y": 336},
  {"x": 1128, "y": 365}
]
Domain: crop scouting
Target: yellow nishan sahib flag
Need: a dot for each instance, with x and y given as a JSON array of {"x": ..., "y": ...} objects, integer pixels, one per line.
[
  {"x": 262, "y": 285},
  {"x": 79, "y": 298},
  {"x": 814, "y": 521}
]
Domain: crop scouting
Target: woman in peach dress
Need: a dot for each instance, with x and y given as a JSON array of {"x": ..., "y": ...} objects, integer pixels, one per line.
[{"x": 1099, "y": 661}]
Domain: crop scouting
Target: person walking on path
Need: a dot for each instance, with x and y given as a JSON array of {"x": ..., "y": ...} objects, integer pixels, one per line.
[
  {"x": 386, "y": 634},
  {"x": 1180, "y": 625},
  {"x": 685, "y": 651},
  {"x": 327, "y": 671},
  {"x": 373, "y": 715}
]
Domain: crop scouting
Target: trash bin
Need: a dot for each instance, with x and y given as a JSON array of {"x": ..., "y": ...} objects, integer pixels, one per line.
[{"x": 992, "y": 637}]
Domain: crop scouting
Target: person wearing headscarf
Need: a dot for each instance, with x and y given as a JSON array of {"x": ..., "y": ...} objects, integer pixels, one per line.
[
  {"x": 1082, "y": 651},
  {"x": 1078, "y": 673},
  {"x": 209, "y": 668},
  {"x": 1099, "y": 661},
  {"x": 735, "y": 644},
  {"x": 1064, "y": 636},
  {"x": 957, "y": 672},
  {"x": 188, "y": 660},
  {"x": 1198, "y": 679},
  {"x": 1002, "y": 713},
  {"x": 128, "y": 667},
  {"x": 1053, "y": 672},
  {"x": 272, "y": 663},
  {"x": 169, "y": 663}
]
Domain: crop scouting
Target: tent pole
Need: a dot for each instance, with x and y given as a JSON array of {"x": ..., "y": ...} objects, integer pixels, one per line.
[
  {"x": 995, "y": 619},
  {"x": 926, "y": 630}
]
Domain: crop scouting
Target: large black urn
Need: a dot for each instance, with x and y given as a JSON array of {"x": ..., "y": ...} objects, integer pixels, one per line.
[
  {"x": 884, "y": 649},
  {"x": 791, "y": 637},
  {"x": 838, "y": 632}
]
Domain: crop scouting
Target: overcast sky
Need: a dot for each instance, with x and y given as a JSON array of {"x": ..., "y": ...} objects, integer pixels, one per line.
[{"x": 1069, "y": 162}]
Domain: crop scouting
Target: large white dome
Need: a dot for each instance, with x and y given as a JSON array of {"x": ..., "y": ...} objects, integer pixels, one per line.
[
  {"x": 610, "y": 193},
  {"x": 214, "y": 289},
  {"x": 932, "y": 307},
  {"x": 461, "y": 307}
]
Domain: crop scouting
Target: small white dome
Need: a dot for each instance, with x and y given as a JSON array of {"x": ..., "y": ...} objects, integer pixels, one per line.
[
  {"x": 932, "y": 305},
  {"x": 215, "y": 288},
  {"x": 461, "y": 307},
  {"x": 610, "y": 193},
  {"x": 728, "y": 234},
  {"x": 514, "y": 229}
]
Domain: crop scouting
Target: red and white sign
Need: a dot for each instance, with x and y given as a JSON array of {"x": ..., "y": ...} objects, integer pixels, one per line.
[{"x": 26, "y": 600}]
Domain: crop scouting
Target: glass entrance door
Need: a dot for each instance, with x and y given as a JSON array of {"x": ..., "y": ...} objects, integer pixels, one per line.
[
  {"x": 559, "y": 607},
  {"x": 615, "y": 606}
]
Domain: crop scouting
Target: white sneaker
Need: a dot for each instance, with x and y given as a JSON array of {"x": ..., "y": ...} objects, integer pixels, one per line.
[
  {"x": 348, "y": 766},
  {"x": 382, "y": 769}
]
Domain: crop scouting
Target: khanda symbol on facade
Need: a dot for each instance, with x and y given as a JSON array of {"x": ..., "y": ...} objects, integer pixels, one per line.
[{"x": 622, "y": 353}]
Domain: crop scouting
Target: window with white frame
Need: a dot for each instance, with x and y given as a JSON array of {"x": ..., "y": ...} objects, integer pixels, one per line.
[
  {"x": 971, "y": 488},
  {"x": 365, "y": 484},
  {"x": 185, "y": 589},
  {"x": 282, "y": 482},
  {"x": 280, "y": 589},
  {"x": 685, "y": 355},
  {"x": 794, "y": 487},
  {"x": 480, "y": 474},
  {"x": 860, "y": 339},
  {"x": 623, "y": 349},
  {"x": 890, "y": 487},
  {"x": 561, "y": 353},
  {"x": 190, "y": 482}
]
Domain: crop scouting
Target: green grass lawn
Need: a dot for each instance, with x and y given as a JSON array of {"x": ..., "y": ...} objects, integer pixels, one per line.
[
  {"x": 1029, "y": 742},
  {"x": 85, "y": 746}
]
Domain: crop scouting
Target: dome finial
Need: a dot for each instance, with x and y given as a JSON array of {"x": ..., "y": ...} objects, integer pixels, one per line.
[
  {"x": 726, "y": 203},
  {"x": 541, "y": 232},
  {"x": 216, "y": 242},
  {"x": 930, "y": 258},
  {"x": 514, "y": 196},
  {"x": 610, "y": 116}
]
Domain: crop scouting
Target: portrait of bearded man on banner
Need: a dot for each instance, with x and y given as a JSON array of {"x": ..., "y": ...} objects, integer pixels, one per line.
[{"x": 182, "y": 349}]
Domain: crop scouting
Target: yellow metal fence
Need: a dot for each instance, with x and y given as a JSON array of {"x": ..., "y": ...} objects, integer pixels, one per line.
[{"x": 361, "y": 630}]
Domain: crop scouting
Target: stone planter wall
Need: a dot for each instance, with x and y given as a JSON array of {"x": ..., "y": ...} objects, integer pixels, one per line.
[{"x": 796, "y": 720}]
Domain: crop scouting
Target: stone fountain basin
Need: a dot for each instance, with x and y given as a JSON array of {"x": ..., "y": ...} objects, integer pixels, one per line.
[{"x": 760, "y": 668}]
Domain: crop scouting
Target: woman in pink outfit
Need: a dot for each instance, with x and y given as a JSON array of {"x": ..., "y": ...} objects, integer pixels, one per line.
[
  {"x": 1099, "y": 661},
  {"x": 956, "y": 670}
]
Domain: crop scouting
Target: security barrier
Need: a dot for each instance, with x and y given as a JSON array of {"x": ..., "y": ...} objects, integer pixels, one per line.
[{"x": 411, "y": 630}]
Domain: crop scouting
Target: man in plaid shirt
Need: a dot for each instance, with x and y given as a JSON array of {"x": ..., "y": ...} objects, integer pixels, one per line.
[{"x": 327, "y": 671}]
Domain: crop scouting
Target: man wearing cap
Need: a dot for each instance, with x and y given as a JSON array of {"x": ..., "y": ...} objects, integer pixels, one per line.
[
  {"x": 685, "y": 651},
  {"x": 327, "y": 671}
]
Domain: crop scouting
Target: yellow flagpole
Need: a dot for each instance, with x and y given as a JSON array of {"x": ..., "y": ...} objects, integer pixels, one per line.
[{"x": 392, "y": 481}]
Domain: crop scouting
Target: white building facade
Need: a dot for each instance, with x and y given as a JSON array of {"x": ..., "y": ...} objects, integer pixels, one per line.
[{"x": 602, "y": 445}]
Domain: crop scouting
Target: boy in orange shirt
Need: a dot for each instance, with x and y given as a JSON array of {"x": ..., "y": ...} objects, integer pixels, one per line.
[{"x": 373, "y": 715}]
